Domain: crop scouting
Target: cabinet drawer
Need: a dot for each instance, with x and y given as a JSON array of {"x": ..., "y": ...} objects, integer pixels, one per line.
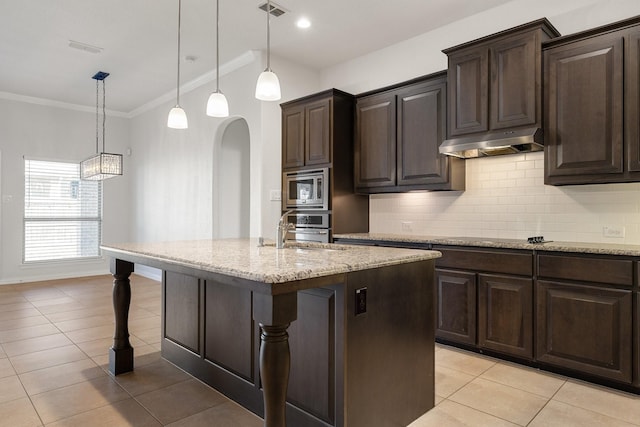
[
  {"x": 494, "y": 261},
  {"x": 587, "y": 269}
]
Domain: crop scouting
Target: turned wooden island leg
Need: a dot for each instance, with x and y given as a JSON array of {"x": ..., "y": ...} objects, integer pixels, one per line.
[
  {"x": 121, "y": 353},
  {"x": 274, "y": 313}
]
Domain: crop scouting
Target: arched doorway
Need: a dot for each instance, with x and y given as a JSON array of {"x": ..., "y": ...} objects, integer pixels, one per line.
[{"x": 231, "y": 174}]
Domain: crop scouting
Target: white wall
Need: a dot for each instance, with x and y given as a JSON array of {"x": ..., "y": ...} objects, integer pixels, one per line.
[
  {"x": 505, "y": 196},
  {"x": 172, "y": 178},
  {"x": 53, "y": 133}
]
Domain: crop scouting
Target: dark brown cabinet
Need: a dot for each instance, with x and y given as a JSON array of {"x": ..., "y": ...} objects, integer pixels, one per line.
[
  {"x": 584, "y": 314},
  {"x": 398, "y": 132},
  {"x": 585, "y": 328},
  {"x": 505, "y": 314},
  {"x": 456, "y": 306},
  {"x": 494, "y": 83},
  {"x": 485, "y": 299},
  {"x": 591, "y": 106},
  {"x": 311, "y": 126}
]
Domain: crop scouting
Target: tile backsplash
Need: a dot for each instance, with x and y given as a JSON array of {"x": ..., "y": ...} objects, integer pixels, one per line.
[{"x": 506, "y": 198}]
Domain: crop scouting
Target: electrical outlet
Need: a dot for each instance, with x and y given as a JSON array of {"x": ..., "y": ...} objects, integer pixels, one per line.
[
  {"x": 361, "y": 301},
  {"x": 407, "y": 226},
  {"x": 615, "y": 231},
  {"x": 275, "y": 195}
]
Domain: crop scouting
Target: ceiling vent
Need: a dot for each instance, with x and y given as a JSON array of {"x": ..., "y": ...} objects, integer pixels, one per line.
[
  {"x": 84, "y": 47},
  {"x": 276, "y": 10}
]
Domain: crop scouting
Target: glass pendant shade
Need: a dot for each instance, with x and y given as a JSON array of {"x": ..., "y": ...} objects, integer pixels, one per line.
[
  {"x": 177, "y": 118},
  {"x": 268, "y": 86},
  {"x": 101, "y": 166},
  {"x": 217, "y": 105}
]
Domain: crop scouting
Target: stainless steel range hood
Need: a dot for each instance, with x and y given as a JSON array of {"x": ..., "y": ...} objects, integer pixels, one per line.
[{"x": 494, "y": 143}]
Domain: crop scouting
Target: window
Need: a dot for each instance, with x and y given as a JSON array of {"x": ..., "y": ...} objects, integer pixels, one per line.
[{"x": 62, "y": 214}]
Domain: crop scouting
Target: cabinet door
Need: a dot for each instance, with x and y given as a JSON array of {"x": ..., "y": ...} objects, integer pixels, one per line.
[
  {"x": 505, "y": 314},
  {"x": 293, "y": 137},
  {"x": 468, "y": 81},
  {"x": 584, "y": 101},
  {"x": 632, "y": 101},
  {"x": 318, "y": 133},
  {"x": 375, "y": 150},
  {"x": 515, "y": 81},
  {"x": 421, "y": 129},
  {"x": 585, "y": 328},
  {"x": 456, "y": 300}
]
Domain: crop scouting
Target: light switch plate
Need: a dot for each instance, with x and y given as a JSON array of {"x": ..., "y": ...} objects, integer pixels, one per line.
[
  {"x": 615, "y": 231},
  {"x": 275, "y": 195}
]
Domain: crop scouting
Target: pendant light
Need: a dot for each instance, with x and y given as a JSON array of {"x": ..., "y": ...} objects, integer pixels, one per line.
[
  {"x": 102, "y": 165},
  {"x": 177, "y": 117},
  {"x": 217, "y": 105},
  {"x": 268, "y": 86}
]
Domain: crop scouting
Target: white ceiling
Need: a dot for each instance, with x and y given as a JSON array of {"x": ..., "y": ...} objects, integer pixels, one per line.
[{"x": 138, "y": 38}]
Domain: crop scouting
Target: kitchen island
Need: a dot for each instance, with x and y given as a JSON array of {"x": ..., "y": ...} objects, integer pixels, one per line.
[{"x": 359, "y": 351}]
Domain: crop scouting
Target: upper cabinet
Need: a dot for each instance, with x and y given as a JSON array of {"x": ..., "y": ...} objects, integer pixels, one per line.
[
  {"x": 398, "y": 132},
  {"x": 494, "y": 83},
  {"x": 592, "y": 99},
  {"x": 311, "y": 126}
]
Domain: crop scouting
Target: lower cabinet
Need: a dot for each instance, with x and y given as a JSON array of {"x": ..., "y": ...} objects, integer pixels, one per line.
[
  {"x": 505, "y": 314},
  {"x": 585, "y": 328},
  {"x": 485, "y": 299},
  {"x": 456, "y": 306}
]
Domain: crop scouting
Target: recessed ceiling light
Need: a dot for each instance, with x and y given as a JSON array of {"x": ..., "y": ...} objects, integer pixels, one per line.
[{"x": 303, "y": 23}]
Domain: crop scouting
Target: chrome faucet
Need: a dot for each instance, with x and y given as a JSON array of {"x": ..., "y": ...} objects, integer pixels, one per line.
[{"x": 283, "y": 229}]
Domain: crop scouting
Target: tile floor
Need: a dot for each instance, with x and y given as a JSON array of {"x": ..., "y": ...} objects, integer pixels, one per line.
[{"x": 54, "y": 338}]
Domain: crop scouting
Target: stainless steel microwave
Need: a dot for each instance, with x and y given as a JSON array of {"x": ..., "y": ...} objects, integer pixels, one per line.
[{"x": 306, "y": 189}]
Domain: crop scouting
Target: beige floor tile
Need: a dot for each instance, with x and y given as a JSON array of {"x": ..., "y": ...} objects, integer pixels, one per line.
[
  {"x": 448, "y": 381},
  {"x": 120, "y": 414},
  {"x": 10, "y": 298},
  {"x": 144, "y": 323},
  {"x": 558, "y": 414},
  {"x": 438, "y": 399},
  {"x": 142, "y": 355},
  {"x": 49, "y": 302},
  {"x": 101, "y": 346},
  {"x": 85, "y": 322},
  {"x": 28, "y": 332},
  {"x": 30, "y": 345},
  {"x": 149, "y": 336},
  {"x": 23, "y": 322},
  {"x": 18, "y": 314},
  {"x": 615, "y": 404},
  {"x": 227, "y": 414},
  {"x": 47, "y": 358},
  {"x": 502, "y": 401},
  {"x": 180, "y": 400},
  {"x": 19, "y": 413},
  {"x": 17, "y": 306},
  {"x": 91, "y": 334},
  {"x": 11, "y": 389},
  {"x": 3, "y": 355},
  {"x": 80, "y": 313},
  {"x": 151, "y": 377},
  {"x": 527, "y": 379},
  {"x": 68, "y": 401},
  {"x": 43, "y": 380},
  {"x": 6, "y": 369},
  {"x": 43, "y": 294},
  {"x": 60, "y": 307},
  {"x": 451, "y": 414},
  {"x": 463, "y": 361}
]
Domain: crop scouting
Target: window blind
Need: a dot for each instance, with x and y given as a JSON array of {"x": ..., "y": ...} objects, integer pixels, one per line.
[{"x": 62, "y": 214}]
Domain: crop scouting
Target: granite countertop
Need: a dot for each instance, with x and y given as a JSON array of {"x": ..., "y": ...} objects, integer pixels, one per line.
[
  {"x": 576, "y": 247},
  {"x": 243, "y": 258}
]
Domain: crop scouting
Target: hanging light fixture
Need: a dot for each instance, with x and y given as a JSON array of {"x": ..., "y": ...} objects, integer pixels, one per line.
[
  {"x": 217, "y": 105},
  {"x": 177, "y": 117},
  {"x": 268, "y": 86},
  {"x": 102, "y": 165}
]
